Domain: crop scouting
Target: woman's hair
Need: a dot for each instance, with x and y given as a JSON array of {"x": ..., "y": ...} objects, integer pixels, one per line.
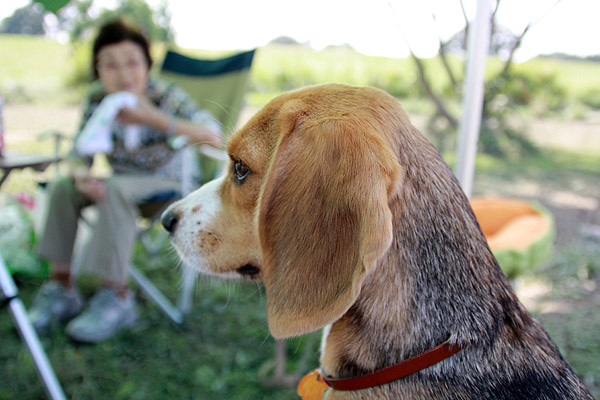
[{"x": 117, "y": 31}]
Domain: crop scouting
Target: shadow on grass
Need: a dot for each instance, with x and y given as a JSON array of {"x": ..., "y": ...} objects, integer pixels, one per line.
[{"x": 568, "y": 308}]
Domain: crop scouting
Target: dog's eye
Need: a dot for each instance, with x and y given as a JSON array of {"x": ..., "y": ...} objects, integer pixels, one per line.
[{"x": 240, "y": 171}]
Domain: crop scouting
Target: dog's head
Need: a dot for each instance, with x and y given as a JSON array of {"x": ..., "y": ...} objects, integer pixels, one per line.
[{"x": 304, "y": 206}]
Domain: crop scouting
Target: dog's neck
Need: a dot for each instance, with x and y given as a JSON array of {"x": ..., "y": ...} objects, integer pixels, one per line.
[{"x": 437, "y": 281}]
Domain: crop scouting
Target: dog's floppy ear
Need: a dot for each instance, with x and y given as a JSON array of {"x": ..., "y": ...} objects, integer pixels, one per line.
[{"x": 323, "y": 218}]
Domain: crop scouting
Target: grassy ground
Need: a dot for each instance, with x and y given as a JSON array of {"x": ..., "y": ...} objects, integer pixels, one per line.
[
  {"x": 36, "y": 69},
  {"x": 565, "y": 296},
  {"x": 564, "y": 293},
  {"x": 224, "y": 351}
]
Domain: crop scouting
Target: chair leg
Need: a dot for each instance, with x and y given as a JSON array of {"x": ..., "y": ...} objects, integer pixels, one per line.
[
  {"x": 8, "y": 294},
  {"x": 184, "y": 302},
  {"x": 155, "y": 295},
  {"x": 280, "y": 377},
  {"x": 153, "y": 246}
]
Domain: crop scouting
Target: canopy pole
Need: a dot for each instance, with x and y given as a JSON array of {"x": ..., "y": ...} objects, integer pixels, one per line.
[{"x": 470, "y": 122}]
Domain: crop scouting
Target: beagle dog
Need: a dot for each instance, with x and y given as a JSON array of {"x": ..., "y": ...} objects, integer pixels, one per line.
[{"x": 356, "y": 225}]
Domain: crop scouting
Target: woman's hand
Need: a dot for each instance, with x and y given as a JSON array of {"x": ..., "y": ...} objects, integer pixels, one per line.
[
  {"x": 93, "y": 188},
  {"x": 145, "y": 113}
]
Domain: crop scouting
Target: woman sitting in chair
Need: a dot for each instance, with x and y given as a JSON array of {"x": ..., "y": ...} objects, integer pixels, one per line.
[{"x": 121, "y": 63}]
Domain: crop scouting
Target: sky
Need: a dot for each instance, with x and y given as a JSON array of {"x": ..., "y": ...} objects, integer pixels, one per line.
[{"x": 372, "y": 27}]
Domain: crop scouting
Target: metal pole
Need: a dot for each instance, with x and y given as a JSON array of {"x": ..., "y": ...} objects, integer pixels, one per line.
[
  {"x": 470, "y": 122},
  {"x": 184, "y": 302},
  {"x": 153, "y": 293},
  {"x": 28, "y": 334}
]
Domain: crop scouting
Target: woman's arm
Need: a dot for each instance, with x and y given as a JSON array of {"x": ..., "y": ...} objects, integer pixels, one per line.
[{"x": 147, "y": 113}]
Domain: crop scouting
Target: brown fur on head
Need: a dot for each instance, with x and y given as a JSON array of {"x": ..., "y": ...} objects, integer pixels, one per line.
[
  {"x": 354, "y": 222},
  {"x": 318, "y": 248},
  {"x": 314, "y": 252}
]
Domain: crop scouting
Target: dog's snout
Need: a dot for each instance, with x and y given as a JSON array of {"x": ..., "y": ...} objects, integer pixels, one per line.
[{"x": 169, "y": 220}]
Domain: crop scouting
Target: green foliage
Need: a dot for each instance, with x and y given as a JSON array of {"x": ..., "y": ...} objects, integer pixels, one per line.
[
  {"x": 499, "y": 138},
  {"x": 28, "y": 20},
  {"x": 574, "y": 76},
  {"x": 280, "y": 68},
  {"x": 81, "y": 64},
  {"x": 17, "y": 239},
  {"x": 538, "y": 87},
  {"x": 551, "y": 169},
  {"x": 504, "y": 95},
  {"x": 591, "y": 98},
  {"x": 516, "y": 262},
  {"x": 522, "y": 88},
  {"x": 53, "y": 5},
  {"x": 156, "y": 23},
  {"x": 577, "y": 335},
  {"x": 75, "y": 17},
  {"x": 34, "y": 64}
]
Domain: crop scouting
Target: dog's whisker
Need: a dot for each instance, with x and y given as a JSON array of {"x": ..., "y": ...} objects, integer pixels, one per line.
[{"x": 266, "y": 339}]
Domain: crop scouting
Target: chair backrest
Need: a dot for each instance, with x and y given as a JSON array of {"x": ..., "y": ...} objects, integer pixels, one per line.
[{"x": 217, "y": 85}]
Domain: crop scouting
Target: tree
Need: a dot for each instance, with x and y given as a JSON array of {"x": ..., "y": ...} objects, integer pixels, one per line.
[
  {"x": 504, "y": 90},
  {"x": 28, "y": 20},
  {"x": 80, "y": 21},
  {"x": 285, "y": 40}
]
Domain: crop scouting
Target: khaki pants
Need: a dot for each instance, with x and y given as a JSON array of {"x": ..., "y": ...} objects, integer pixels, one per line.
[{"x": 109, "y": 252}]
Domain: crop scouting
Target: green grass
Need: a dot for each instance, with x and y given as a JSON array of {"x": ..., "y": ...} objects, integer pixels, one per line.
[
  {"x": 224, "y": 350},
  {"x": 577, "y": 77},
  {"x": 551, "y": 169},
  {"x": 36, "y": 69},
  {"x": 571, "y": 274}
]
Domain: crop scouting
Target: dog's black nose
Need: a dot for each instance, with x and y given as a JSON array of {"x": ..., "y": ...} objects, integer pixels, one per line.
[{"x": 169, "y": 220}]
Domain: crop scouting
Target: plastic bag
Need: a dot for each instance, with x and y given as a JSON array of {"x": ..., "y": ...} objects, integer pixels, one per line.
[{"x": 18, "y": 240}]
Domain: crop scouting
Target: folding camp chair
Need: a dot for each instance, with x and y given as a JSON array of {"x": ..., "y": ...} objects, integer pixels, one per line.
[{"x": 217, "y": 86}]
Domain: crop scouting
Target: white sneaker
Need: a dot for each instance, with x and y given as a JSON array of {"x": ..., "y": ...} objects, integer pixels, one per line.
[
  {"x": 54, "y": 304},
  {"x": 106, "y": 315}
]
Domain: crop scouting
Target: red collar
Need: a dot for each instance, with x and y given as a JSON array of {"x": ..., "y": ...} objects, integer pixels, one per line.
[{"x": 397, "y": 371}]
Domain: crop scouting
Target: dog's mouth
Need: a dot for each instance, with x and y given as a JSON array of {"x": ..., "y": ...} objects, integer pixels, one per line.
[{"x": 249, "y": 271}]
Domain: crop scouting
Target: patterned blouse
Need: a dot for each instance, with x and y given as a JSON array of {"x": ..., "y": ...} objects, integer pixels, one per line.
[{"x": 153, "y": 155}]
